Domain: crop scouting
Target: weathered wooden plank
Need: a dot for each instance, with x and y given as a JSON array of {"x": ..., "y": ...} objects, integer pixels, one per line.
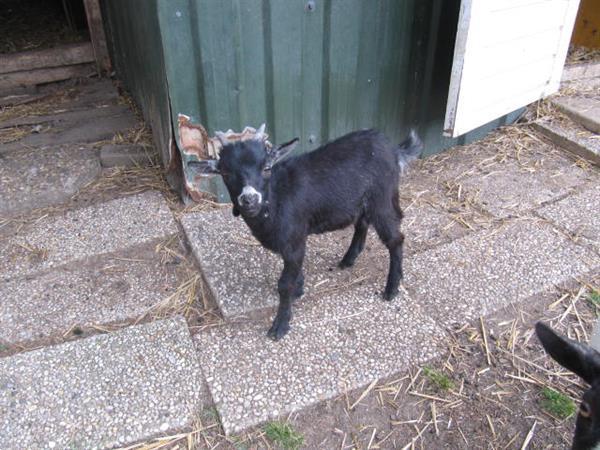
[
  {"x": 64, "y": 55},
  {"x": 97, "y": 35},
  {"x": 39, "y": 76}
]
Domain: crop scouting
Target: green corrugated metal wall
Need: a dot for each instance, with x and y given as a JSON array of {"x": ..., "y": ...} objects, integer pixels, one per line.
[
  {"x": 313, "y": 69},
  {"x": 135, "y": 45}
]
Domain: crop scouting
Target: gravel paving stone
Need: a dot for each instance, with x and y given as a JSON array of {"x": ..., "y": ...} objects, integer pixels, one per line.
[
  {"x": 481, "y": 273},
  {"x": 242, "y": 276},
  {"x": 338, "y": 342},
  {"x": 112, "y": 289},
  {"x": 85, "y": 232},
  {"x": 102, "y": 392},
  {"x": 514, "y": 190},
  {"x": 34, "y": 179},
  {"x": 571, "y": 138},
  {"x": 585, "y": 111},
  {"x": 579, "y": 214},
  {"x": 115, "y": 155}
]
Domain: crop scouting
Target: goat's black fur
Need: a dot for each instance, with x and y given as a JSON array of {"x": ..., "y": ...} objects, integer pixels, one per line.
[
  {"x": 584, "y": 361},
  {"x": 352, "y": 180}
]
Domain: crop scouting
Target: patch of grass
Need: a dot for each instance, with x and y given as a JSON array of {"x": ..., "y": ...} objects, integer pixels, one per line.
[
  {"x": 557, "y": 404},
  {"x": 210, "y": 413},
  {"x": 284, "y": 435},
  {"x": 440, "y": 380},
  {"x": 594, "y": 298}
]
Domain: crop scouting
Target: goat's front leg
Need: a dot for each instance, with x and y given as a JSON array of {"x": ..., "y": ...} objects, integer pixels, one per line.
[{"x": 289, "y": 287}]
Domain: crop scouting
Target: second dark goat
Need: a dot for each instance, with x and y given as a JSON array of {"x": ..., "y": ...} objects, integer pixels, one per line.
[
  {"x": 352, "y": 180},
  {"x": 584, "y": 361}
]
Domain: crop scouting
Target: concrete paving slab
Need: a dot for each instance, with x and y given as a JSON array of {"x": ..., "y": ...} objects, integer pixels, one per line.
[
  {"x": 32, "y": 179},
  {"x": 583, "y": 110},
  {"x": 579, "y": 214},
  {"x": 512, "y": 190},
  {"x": 242, "y": 276},
  {"x": 480, "y": 273},
  {"x": 100, "y": 129},
  {"x": 581, "y": 70},
  {"x": 572, "y": 139},
  {"x": 338, "y": 342},
  {"x": 85, "y": 232},
  {"x": 112, "y": 155},
  {"x": 101, "y": 392},
  {"x": 111, "y": 289}
]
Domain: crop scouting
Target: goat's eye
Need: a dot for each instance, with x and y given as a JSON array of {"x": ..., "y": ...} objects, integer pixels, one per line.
[
  {"x": 584, "y": 410},
  {"x": 266, "y": 172}
]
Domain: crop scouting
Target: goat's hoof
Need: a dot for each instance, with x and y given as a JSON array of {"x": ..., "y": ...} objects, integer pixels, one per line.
[
  {"x": 344, "y": 264},
  {"x": 278, "y": 330},
  {"x": 389, "y": 296},
  {"x": 299, "y": 292}
]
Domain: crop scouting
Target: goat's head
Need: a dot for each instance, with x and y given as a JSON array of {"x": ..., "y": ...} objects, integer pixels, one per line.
[
  {"x": 584, "y": 361},
  {"x": 245, "y": 166}
]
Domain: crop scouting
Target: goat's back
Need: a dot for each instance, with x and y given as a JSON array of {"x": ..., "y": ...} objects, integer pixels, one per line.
[{"x": 334, "y": 184}]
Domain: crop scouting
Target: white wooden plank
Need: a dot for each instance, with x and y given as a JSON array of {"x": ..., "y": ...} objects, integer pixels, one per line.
[
  {"x": 563, "y": 45},
  {"x": 457, "y": 66},
  {"x": 515, "y": 23},
  {"x": 508, "y": 53},
  {"x": 510, "y": 4},
  {"x": 509, "y": 104},
  {"x": 506, "y": 84}
]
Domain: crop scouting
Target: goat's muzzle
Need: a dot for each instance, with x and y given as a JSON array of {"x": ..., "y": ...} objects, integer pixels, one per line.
[{"x": 250, "y": 201}]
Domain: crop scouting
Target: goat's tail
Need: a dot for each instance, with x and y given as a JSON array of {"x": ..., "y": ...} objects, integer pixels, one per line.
[{"x": 409, "y": 150}]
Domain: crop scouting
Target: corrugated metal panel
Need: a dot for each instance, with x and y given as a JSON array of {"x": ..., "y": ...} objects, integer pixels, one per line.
[
  {"x": 313, "y": 69},
  {"x": 135, "y": 44}
]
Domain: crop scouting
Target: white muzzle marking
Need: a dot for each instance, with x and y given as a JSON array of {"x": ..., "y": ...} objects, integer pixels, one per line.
[{"x": 249, "y": 190}]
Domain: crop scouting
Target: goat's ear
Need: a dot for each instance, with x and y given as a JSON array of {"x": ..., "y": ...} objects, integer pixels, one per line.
[
  {"x": 235, "y": 211},
  {"x": 205, "y": 166},
  {"x": 279, "y": 152},
  {"x": 578, "y": 358}
]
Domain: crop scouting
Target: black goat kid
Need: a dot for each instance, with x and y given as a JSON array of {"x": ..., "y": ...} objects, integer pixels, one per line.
[
  {"x": 584, "y": 361},
  {"x": 352, "y": 180}
]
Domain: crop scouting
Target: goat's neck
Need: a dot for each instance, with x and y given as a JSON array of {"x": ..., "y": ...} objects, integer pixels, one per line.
[{"x": 263, "y": 224}]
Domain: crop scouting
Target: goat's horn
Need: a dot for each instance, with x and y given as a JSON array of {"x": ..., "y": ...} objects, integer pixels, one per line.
[
  {"x": 222, "y": 137},
  {"x": 260, "y": 133}
]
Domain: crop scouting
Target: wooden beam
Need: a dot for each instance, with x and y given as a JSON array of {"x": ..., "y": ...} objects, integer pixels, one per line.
[
  {"x": 64, "y": 55},
  {"x": 97, "y": 35},
  {"x": 39, "y": 76}
]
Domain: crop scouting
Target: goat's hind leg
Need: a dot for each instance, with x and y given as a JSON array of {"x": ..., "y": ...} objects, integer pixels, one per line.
[
  {"x": 358, "y": 243},
  {"x": 388, "y": 229}
]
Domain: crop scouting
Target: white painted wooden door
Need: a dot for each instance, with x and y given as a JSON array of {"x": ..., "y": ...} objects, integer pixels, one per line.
[{"x": 508, "y": 53}]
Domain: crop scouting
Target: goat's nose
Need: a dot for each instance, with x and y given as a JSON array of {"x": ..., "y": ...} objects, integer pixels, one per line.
[{"x": 248, "y": 199}]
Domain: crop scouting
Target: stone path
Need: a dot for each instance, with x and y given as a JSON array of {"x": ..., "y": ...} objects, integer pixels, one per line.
[
  {"x": 578, "y": 131},
  {"x": 54, "y": 157},
  {"x": 343, "y": 335},
  {"x": 103, "y": 391},
  {"x": 483, "y": 231},
  {"x": 74, "y": 271},
  {"x": 86, "y": 232}
]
